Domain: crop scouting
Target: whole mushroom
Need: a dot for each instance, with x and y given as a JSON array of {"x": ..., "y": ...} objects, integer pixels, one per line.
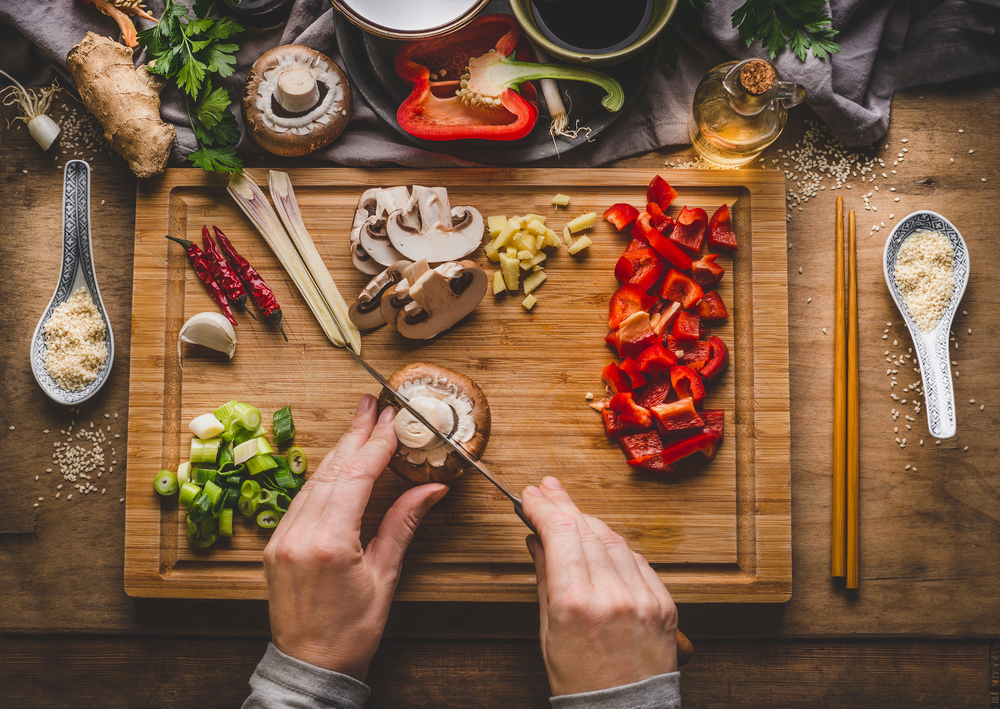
[
  {"x": 454, "y": 404},
  {"x": 295, "y": 100}
]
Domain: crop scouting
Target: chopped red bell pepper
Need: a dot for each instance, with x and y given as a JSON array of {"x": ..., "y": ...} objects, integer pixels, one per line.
[
  {"x": 632, "y": 336},
  {"x": 678, "y": 415},
  {"x": 662, "y": 314},
  {"x": 686, "y": 326},
  {"x": 687, "y": 383},
  {"x": 653, "y": 464},
  {"x": 682, "y": 288},
  {"x": 714, "y": 420},
  {"x": 641, "y": 445},
  {"x": 612, "y": 426},
  {"x": 661, "y": 192},
  {"x": 692, "y": 354},
  {"x": 629, "y": 412},
  {"x": 658, "y": 220},
  {"x": 632, "y": 370},
  {"x": 615, "y": 378},
  {"x": 656, "y": 359},
  {"x": 721, "y": 234},
  {"x": 712, "y": 307},
  {"x": 621, "y": 215},
  {"x": 642, "y": 229},
  {"x": 718, "y": 359},
  {"x": 706, "y": 443},
  {"x": 433, "y": 111},
  {"x": 640, "y": 265},
  {"x": 655, "y": 393},
  {"x": 689, "y": 231},
  {"x": 626, "y": 301},
  {"x": 706, "y": 272}
]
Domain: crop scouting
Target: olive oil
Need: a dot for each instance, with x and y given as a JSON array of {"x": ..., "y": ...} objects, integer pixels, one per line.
[{"x": 592, "y": 26}]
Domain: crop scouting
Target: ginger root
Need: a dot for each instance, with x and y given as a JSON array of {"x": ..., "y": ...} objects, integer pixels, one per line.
[{"x": 125, "y": 100}]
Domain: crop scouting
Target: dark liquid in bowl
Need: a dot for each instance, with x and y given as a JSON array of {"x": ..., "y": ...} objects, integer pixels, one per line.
[
  {"x": 260, "y": 13},
  {"x": 592, "y": 26}
]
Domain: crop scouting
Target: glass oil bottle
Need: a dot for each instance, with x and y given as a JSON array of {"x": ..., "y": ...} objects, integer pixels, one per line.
[{"x": 739, "y": 109}]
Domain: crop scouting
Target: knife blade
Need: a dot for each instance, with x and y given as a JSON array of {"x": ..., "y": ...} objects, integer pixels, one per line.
[{"x": 455, "y": 445}]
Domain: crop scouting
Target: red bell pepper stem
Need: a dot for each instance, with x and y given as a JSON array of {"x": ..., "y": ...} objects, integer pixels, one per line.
[
  {"x": 263, "y": 296},
  {"x": 201, "y": 267},
  {"x": 224, "y": 275}
]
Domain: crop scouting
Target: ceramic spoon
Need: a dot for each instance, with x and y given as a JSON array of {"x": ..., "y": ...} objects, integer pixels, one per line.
[
  {"x": 933, "y": 353},
  {"x": 77, "y": 272}
]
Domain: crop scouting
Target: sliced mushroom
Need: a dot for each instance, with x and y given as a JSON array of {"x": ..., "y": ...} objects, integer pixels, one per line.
[
  {"x": 361, "y": 258},
  {"x": 295, "y": 100},
  {"x": 436, "y": 300},
  {"x": 366, "y": 311},
  {"x": 451, "y": 401},
  {"x": 373, "y": 236},
  {"x": 429, "y": 228}
]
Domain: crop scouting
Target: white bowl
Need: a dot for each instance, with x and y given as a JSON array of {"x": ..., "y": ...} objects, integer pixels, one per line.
[{"x": 409, "y": 19}]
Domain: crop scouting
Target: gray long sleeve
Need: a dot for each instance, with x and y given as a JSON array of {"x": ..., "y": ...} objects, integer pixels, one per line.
[
  {"x": 659, "y": 692},
  {"x": 282, "y": 682}
]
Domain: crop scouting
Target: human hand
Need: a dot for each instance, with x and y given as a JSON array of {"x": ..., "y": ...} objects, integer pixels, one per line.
[
  {"x": 329, "y": 597},
  {"x": 606, "y": 618}
]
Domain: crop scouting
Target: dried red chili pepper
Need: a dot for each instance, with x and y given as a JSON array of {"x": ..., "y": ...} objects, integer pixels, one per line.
[
  {"x": 260, "y": 292},
  {"x": 201, "y": 267},
  {"x": 223, "y": 274}
]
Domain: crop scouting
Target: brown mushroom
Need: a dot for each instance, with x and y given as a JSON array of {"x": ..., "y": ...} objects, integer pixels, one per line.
[
  {"x": 366, "y": 311},
  {"x": 295, "y": 100},
  {"x": 451, "y": 401},
  {"x": 428, "y": 227},
  {"x": 428, "y": 301}
]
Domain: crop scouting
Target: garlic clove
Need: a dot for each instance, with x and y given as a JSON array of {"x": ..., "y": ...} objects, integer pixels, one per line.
[{"x": 208, "y": 329}]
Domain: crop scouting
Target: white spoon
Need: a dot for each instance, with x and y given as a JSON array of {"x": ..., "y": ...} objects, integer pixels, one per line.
[
  {"x": 932, "y": 346},
  {"x": 77, "y": 272}
]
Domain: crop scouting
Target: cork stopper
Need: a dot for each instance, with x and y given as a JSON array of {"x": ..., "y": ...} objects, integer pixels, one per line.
[{"x": 757, "y": 77}]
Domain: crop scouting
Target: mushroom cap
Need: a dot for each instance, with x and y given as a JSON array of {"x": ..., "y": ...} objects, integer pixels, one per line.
[
  {"x": 453, "y": 466},
  {"x": 323, "y": 129}
]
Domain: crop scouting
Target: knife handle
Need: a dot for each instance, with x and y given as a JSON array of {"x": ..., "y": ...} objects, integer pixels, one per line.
[{"x": 685, "y": 649}]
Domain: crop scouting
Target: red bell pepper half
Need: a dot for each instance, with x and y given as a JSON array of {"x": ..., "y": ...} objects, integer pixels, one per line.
[
  {"x": 661, "y": 192},
  {"x": 616, "y": 379},
  {"x": 621, "y": 215},
  {"x": 626, "y": 301},
  {"x": 633, "y": 372},
  {"x": 640, "y": 265},
  {"x": 678, "y": 415},
  {"x": 682, "y": 288},
  {"x": 656, "y": 360},
  {"x": 477, "y": 96},
  {"x": 706, "y": 272},
  {"x": 718, "y": 359},
  {"x": 721, "y": 234},
  {"x": 643, "y": 229},
  {"x": 712, "y": 307},
  {"x": 689, "y": 232},
  {"x": 629, "y": 412},
  {"x": 686, "y": 326},
  {"x": 687, "y": 383}
]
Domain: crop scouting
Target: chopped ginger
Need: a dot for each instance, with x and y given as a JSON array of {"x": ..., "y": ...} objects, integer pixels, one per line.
[
  {"x": 584, "y": 221},
  {"x": 498, "y": 283},
  {"x": 560, "y": 200},
  {"x": 568, "y": 236},
  {"x": 533, "y": 281},
  {"x": 496, "y": 225},
  {"x": 529, "y": 302},
  {"x": 580, "y": 244}
]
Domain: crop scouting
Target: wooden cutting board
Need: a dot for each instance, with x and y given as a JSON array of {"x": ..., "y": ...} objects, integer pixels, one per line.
[{"x": 718, "y": 532}]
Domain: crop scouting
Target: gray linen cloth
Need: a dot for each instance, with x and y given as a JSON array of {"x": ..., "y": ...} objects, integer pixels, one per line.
[{"x": 886, "y": 44}]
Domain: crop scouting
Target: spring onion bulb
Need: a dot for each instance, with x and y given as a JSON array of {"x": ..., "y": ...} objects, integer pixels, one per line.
[
  {"x": 287, "y": 207},
  {"x": 165, "y": 483},
  {"x": 35, "y": 108},
  {"x": 255, "y": 205},
  {"x": 210, "y": 330},
  {"x": 550, "y": 90},
  {"x": 206, "y": 426}
]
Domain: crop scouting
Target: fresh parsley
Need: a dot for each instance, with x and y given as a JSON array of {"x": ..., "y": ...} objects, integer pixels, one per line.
[
  {"x": 800, "y": 25},
  {"x": 191, "y": 51}
]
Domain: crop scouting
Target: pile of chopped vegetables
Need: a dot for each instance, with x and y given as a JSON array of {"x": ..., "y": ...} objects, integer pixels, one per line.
[{"x": 233, "y": 466}]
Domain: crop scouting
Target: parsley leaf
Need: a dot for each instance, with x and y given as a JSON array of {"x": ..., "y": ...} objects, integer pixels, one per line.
[
  {"x": 799, "y": 25},
  {"x": 189, "y": 51}
]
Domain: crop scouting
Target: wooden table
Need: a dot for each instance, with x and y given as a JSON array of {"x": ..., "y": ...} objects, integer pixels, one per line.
[{"x": 923, "y": 630}]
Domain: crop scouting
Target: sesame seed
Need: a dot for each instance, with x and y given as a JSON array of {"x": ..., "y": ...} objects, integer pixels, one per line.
[
  {"x": 824, "y": 330},
  {"x": 10, "y": 428},
  {"x": 937, "y": 443},
  {"x": 906, "y": 140},
  {"x": 971, "y": 152},
  {"x": 122, "y": 499},
  {"x": 984, "y": 179},
  {"x": 966, "y": 448},
  {"x": 809, "y": 300},
  {"x": 972, "y": 401},
  {"x": 961, "y": 130}
]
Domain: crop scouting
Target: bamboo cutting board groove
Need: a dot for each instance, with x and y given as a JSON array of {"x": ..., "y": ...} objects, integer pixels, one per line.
[{"x": 719, "y": 532}]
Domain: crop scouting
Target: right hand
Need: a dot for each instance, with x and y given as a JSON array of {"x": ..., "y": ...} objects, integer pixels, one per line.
[{"x": 606, "y": 618}]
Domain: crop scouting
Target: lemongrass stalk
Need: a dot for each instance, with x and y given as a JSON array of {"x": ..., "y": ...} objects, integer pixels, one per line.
[
  {"x": 287, "y": 207},
  {"x": 255, "y": 205}
]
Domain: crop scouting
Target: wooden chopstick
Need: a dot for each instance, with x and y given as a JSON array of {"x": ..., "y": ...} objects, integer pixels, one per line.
[
  {"x": 839, "y": 404},
  {"x": 853, "y": 409}
]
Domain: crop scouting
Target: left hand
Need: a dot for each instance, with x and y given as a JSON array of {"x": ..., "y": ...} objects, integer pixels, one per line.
[{"x": 329, "y": 597}]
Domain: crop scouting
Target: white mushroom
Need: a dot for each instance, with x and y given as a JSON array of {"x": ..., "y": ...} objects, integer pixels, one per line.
[
  {"x": 423, "y": 305},
  {"x": 428, "y": 228},
  {"x": 366, "y": 312},
  {"x": 374, "y": 239},
  {"x": 362, "y": 259}
]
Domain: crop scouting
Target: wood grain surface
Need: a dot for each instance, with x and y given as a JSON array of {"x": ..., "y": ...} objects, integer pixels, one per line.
[{"x": 720, "y": 531}]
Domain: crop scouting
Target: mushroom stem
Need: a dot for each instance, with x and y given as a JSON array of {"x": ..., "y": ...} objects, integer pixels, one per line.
[{"x": 296, "y": 90}]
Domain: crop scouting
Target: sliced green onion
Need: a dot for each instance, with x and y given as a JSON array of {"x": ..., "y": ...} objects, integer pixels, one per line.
[
  {"x": 248, "y": 506},
  {"x": 261, "y": 464},
  {"x": 242, "y": 435},
  {"x": 284, "y": 427},
  {"x": 279, "y": 502},
  {"x": 264, "y": 496},
  {"x": 255, "y": 446},
  {"x": 297, "y": 460},
  {"x": 249, "y": 417},
  {"x": 213, "y": 491},
  {"x": 202, "y": 542},
  {"x": 288, "y": 480},
  {"x": 189, "y": 491},
  {"x": 205, "y": 475},
  {"x": 205, "y": 450},
  {"x": 249, "y": 492},
  {"x": 230, "y": 496},
  {"x": 219, "y": 505},
  {"x": 226, "y": 523},
  {"x": 226, "y": 456},
  {"x": 207, "y": 525},
  {"x": 225, "y": 412},
  {"x": 165, "y": 483},
  {"x": 184, "y": 472},
  {"x": 206, "y": 426},
  {"x": 268, "y": 519},
  {"x": 198, "y": 509}
]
